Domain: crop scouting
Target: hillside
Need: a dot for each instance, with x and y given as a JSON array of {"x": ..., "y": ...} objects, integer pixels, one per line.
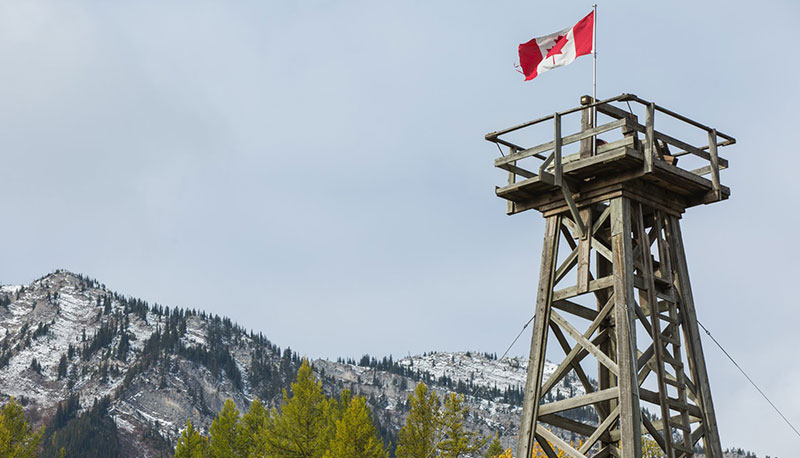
[
  {"x": 66, "y": 334},
  {"x": 66, "y": 337}
]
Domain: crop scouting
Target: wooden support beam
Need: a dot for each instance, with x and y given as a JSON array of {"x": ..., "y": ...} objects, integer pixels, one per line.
[
  {"x": 712, "y": 145},
  {"x": 694, "y": 350},
  {"x": 573, "y": 209},
  {"x": 557, "y": 170},
  {"x": 545, "y": 447},
  {"x": 570, "y": 425},
  {"x": 558, "y": 442},
  {"x": 651, "y": 428},
  {"x": 575, "y": 309},
  {"x": 649, "y": 146},
  {"x": 630, "y": 412},
  {"x": 594, "y": 285},
  {"x": 513, "y": 168},
  {"x": 584, "y": 342},
  {"x": 575, "y": 353},
  {"x": 541, "y": 322},
  {"x": 602, "y": 429},
  {"x": 567, "y": 265},
  {"x": 576, "y": 366}
]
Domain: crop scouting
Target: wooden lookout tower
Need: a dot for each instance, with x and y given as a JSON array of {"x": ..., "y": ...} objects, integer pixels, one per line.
[{"x": 614, "y": 285}]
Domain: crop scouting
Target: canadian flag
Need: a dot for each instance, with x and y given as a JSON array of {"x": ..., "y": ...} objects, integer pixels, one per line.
[{"x": 557, "y": 49}]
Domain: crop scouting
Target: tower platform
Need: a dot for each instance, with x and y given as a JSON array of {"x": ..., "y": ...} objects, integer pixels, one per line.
[{"x": 629, "y": 158}]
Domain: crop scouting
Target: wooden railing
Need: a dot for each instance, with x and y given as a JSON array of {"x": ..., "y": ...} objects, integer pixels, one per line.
[{"x": 626, "y": 121}]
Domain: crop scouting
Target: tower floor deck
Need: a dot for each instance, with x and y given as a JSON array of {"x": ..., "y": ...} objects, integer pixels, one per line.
[{"x": 616, "y": 167}]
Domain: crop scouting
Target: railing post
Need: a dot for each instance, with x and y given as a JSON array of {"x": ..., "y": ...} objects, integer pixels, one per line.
[
  {"x": 649, "y": 147},
  {"x": 512, "y": 178},
  {"x": 557, "y": 149},
  {"x": 587, "y": 150},
  {"x": 712, "y": 150}
]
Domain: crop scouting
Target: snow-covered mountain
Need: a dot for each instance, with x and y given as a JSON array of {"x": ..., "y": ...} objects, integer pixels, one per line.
[{"x": 66, "y": 334}]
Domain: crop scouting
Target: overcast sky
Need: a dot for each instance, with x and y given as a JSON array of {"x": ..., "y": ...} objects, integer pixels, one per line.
[{"x": 317, "y": 171}]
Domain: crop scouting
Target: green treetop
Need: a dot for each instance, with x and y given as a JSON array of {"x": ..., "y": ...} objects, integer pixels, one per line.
[
  {"x": 17, "y": 438},
  {"x": 192, "y": 444},
  {"x": 356, "y": 436},
  {"x": 301, "y": 429},
  {"x": 251, "y": 422},
  {"x": 225, "y": 435},
  {"x": 418, "y": 437},
  {"x": 495, "y": 449},
  {"x": 457, "y": 441}
]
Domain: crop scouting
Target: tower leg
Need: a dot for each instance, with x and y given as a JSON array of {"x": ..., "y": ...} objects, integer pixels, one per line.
[
  {"x": 624, "y": 303},
  {"x": 711, "y": 441},
  {"x": 530, "y": 408}
]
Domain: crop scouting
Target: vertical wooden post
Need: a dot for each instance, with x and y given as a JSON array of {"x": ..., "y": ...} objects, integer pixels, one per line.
[
  {"x": 712, "y": 150},
  {"x": 541, "y": 321},
  {"x": 648, "y": 297},
  {"x": 512, "y": 178},
  {"x": 557, "y": 149},
  {"x": 650, "y": 140},
  {"x": 630, "y": 413},
  {"x": 586, "y": 124},
  {"x": 694, "y": 351},
  {"x": 584, "y": 250},
  {"x": 606, "y": 378}
]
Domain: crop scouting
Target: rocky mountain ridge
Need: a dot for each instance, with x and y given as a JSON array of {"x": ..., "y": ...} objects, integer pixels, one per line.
[{"x": 66, "y": 335}]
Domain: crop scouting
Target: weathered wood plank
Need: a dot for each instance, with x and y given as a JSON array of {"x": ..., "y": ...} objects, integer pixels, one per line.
[
  {"x": 630, "y": 412},
  {"x": 569, "y": 262},
  {"x": 712, "y": 145},
  {"x": 586, "y": 123},
  {"x": 558, "y": 442},
  {"x": 649, "y": 142},
  {"x": 570, "y": 425},
  {"x": 584, "y": 342},
  {"x": 569, "y": 139},
  {"x": 546, "y": 447},
  {"x": 576, "y": 365},
  {"x": 695, "y": 347},
  {"x": 652, "y": 301},
  {"x": 575, "y": 309},
  {"x": 602, "y": 429},
  {"x": 575, "y": 354},
  {"x": 544, "y": 299},
  {"x": 557, "y": 170},
  {"x": 650, "y": 427},
  {"x": 594, "y": 285},
  {"x": 652, "y": 396},
  {"x": 513, "y": 168},
  {"x": 601, "y": 249}
]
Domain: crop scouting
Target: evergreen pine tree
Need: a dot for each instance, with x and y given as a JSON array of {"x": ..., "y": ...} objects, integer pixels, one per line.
[
  {"x": 301, "y": 429},
  {"x": 457, "y": 441},
  {"x": 417, "y": 438},
  {"x": 495, "y": 449},
  {"x": 254, "y": 420},
  {"x": 356, "y": 436},
  {"x": 224, "y": 436},
  {"x": 17, "y": 438},
  {"x": 62, "y": 367},
  {"x": 338, "y": 407},
  {"x": 192, "y": 444}
]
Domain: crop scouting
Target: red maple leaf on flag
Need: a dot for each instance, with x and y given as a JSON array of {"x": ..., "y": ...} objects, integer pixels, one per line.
[{"x": 561, "y": 40}]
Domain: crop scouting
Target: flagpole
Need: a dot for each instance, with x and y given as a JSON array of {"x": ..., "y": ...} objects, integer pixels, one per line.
[{"x": 594, "y": 76}]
